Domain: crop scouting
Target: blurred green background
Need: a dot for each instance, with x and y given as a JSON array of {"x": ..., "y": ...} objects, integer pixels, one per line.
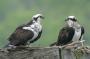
[{"x": 16, "y": 12}]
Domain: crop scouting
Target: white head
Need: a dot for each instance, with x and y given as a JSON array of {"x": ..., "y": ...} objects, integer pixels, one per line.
[
  {"x": 72, "y": 22},
  {"x": 37, "y": 17}
]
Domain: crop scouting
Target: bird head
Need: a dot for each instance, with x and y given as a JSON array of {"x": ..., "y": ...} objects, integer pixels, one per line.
[
  {"x": 72, "y": 18},
  {"x": 71, "y": 21},
  {"x": 37, "y": 17}
]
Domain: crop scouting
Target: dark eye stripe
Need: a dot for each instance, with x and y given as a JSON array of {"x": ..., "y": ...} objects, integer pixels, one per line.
[
  {"x": 71, "y": 19},
  {"x": 35, "y": 19}
]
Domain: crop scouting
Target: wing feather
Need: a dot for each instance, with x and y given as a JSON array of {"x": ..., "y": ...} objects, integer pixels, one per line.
[{"x": 65, "y": 36}]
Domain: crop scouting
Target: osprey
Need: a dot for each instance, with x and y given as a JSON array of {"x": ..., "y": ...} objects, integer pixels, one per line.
[
  {"x": 72, "y": 32},
  {"x": 29, "y": 32}
]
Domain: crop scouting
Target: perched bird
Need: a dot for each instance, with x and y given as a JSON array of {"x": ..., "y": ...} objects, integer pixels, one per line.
[
  {"x": 27, "y": 33},
  {"x": 72, "y": 32}
]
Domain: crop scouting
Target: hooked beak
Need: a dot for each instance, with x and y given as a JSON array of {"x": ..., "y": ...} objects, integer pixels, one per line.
[{"x": 41, "y": 17}]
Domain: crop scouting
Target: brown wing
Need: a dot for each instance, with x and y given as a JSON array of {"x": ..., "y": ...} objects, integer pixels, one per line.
[
  {"x": 65, "y": 36},
  {"x": 20, "y": 36}
]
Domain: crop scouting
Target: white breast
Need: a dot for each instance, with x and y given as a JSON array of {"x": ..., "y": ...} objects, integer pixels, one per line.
[
  {"x": 77, "y": 35},
  {"x": 35, "y": 28}
]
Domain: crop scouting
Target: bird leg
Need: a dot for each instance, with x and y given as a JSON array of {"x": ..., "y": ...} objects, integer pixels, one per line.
[
  {"x": 82, "y": 43},
  {"x": 28, "y": 44}
]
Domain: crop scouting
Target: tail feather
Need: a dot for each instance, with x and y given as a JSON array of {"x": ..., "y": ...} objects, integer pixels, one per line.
[
  {"x": 9, "y": 46},
  {"x": 53, "y": 44}
]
